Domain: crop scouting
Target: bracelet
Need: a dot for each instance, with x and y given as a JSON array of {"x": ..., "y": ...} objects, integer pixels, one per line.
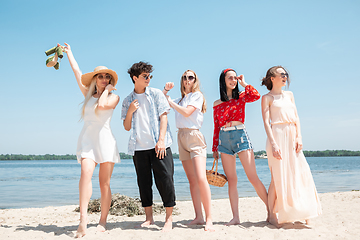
[{"x": 166, "y": 89}]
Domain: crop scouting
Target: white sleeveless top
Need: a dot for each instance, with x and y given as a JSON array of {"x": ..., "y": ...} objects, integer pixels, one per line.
[{"x": 96, "y": 140}]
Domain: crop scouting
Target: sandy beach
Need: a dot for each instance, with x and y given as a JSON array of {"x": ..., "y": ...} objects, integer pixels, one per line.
[{"x": 340, "y": 220}]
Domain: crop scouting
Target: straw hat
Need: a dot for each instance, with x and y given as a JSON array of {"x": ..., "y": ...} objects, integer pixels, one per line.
[{"x": 87, "y": 77}]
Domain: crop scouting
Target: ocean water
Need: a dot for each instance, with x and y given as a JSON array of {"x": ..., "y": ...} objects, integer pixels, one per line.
[{"x": 26, "y": 184}]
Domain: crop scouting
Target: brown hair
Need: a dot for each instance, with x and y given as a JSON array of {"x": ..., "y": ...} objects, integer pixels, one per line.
[
  {"x": 139, "y": 68},
  {"x": 266, "y": 81},
  {"x": 195, "y": 88}
]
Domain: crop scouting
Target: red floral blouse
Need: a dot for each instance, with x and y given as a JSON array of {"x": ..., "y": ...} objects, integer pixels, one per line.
[{"x": 232, "y": 110}]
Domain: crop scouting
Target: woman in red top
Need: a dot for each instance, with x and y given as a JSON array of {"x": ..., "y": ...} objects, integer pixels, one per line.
[{"x": 230, "y": 136}]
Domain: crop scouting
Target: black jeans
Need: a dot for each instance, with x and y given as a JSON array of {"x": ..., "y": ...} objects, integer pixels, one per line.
[{"x": 146, "y": 162}]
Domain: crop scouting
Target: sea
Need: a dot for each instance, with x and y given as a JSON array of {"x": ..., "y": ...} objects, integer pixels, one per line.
[{"x": 41, "y": 183}]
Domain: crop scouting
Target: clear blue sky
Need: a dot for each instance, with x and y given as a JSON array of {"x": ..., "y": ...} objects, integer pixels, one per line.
[{"x": 317, "y": 41}]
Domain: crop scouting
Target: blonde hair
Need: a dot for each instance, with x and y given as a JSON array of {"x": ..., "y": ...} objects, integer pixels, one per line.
[
  {"x": 91, "y": 91},
  {"x": 195, "y": 88}
]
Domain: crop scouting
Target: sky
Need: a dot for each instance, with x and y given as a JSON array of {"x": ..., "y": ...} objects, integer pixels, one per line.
[{"x": 318, "y": 42}]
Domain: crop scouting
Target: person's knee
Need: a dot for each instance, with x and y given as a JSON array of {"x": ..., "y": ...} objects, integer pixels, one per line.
[
  {"x": 232, "y": 180},
  {"x": 192, "y": 180},
  {"x": 254, "y": 180},
  {"x": 202, "y": 180},
  {"x": 86, "y": 173},
  {"x": 104, "y": 183}
]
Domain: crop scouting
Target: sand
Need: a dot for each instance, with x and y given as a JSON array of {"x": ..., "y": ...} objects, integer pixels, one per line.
[{"x": 340, "y": 220}]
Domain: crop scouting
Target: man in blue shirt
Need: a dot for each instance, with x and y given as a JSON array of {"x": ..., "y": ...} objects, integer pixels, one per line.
[{"x": 144, "y": 112}]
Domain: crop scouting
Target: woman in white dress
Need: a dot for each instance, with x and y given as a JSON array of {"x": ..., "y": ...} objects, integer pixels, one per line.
[
  {"x": 189, "y": 109},
  {"x": 292, "y": 192},
  {"x": 96, "y": 144}
]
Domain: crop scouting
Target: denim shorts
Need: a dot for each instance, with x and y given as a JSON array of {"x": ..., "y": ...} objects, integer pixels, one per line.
[{"x": 234, "y": 141}]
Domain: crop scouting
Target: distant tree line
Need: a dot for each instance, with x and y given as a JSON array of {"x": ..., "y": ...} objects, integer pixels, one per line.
[
  {"x": 258, "y": 154},
  {"x": 331, "y": 153}
]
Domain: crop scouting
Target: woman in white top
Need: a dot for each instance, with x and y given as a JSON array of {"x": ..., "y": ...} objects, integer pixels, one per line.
[
  {"x": 189, "y": 111},
  {"x": 96, "y": 144}
]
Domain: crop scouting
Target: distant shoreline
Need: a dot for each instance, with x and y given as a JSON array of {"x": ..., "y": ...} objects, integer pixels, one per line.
[{"x": 258, "y": 155}]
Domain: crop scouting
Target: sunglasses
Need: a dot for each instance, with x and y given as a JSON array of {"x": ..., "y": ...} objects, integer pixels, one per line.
[
  {"x": 101, "y": 77},
  {"x": 147, "y": 77},
  {"x": 190, "y": 78},
  {"x": 283, "y": 75}
]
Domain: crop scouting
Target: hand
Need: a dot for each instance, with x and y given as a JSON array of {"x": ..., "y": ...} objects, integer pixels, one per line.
[
  {"x": 298, "y": 145},
  {"x": 241, "y": 80},
  {"x": 160, "y": 149},
  {"x": 134, "y": 105},
  {"x": 169, "y": 85},
  {"x": 276, "y": 151},
  {"x": 66, "y": 49},
  {"x": 216, "y": 155},
  {"x": 110, "y": 87}
]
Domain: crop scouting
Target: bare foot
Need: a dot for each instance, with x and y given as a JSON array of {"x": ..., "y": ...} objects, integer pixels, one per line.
[
  {"x": 145, "y": 224},
  {"x": 197, "y": 221},
  {"x": 234, "y": 221},
  {"x": 274, "y": 221},
  {"x": 209, "y": 226},
  {"x": 167, "y": 226},
  {"x": 101, "y": 227},
  {"x": 81, "y": 231},
  {"x": 268, "y": 217}
]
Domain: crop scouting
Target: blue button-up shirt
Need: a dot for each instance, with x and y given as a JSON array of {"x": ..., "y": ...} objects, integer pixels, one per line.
[{"x": 158, "y": 106}]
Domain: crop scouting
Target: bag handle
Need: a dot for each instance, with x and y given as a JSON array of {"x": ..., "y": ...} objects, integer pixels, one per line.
[{"x": 212, "y": 169}]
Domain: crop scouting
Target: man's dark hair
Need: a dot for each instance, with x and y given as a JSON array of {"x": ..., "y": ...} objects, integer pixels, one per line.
[{"x": 139, "y": 68}]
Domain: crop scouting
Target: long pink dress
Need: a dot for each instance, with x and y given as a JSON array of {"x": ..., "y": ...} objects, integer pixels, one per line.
[{"x": 297, "y": 198}]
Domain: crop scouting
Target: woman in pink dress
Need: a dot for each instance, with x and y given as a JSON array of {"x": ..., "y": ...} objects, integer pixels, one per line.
[{"x": 292, "y": 194}]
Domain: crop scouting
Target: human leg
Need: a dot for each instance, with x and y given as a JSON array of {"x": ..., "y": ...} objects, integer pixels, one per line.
[
  {"x": 229, "y": 166},
  {"x": 199, "y": 165},
  {"x": 271, "y": 203},
  {"x": 148, "y": 217},
  {"x": 248, "y": 161},
  {"x": 142, "y": 163},
  {"x": 168, "y": 219},
  {"x": 85, "y": 191},
  {"x": 184, "y": 140},
  {"x": 105, "y": 173},
  {"x": 194, "y": 191},
  {"x": 163, "y": 170},
  {"x": 163, "y": 174}
]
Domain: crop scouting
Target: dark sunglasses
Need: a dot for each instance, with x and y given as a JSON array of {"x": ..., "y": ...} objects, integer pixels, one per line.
[
  {"x": 283, "y": 75},
  {"x": 101, "y": 77},
  {"x": 147, "y": 77},
  {"x": 190, "y": 78}
]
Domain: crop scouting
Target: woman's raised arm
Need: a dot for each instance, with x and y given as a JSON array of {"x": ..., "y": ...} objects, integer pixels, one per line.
[{"x": 75, "y": 67}]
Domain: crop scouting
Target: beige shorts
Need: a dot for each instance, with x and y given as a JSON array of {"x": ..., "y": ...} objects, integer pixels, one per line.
[{"x": 191, "y": 144}]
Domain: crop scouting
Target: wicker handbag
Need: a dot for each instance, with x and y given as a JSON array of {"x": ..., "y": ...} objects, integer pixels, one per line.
[{"x": 214, "y": 178}]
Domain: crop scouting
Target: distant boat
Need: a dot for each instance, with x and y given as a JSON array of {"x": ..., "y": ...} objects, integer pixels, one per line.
[{"x": 261, "y": 156}]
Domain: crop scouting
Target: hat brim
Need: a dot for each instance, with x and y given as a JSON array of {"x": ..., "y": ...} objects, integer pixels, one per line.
[{"x": 87, "y": 77}]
